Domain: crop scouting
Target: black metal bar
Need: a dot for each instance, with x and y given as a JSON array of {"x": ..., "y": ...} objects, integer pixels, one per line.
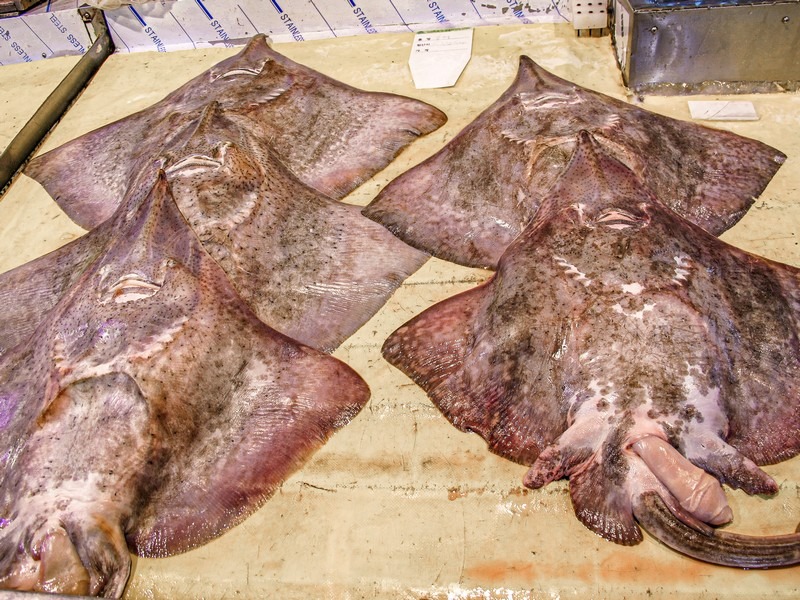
[{"x": 57, "y": 103}]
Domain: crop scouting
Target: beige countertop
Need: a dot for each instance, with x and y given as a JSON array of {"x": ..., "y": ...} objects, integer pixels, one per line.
[{"x": 399, "y": 503}]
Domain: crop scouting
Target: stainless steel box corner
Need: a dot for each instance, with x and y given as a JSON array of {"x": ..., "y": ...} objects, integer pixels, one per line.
[{"x": 683, "y": 47}]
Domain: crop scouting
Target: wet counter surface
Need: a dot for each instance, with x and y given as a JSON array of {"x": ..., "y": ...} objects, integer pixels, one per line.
[{"x": 399, "y": 504}]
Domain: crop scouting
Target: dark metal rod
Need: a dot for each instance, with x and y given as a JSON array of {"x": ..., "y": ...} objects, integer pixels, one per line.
[{"x": 51, "y": 110}]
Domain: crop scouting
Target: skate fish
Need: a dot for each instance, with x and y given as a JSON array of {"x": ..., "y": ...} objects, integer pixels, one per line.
[
  {"x": 467, "y": 202},
  {"x": 310, "y": 267},
  {"x": 330, "y": 135},
  {"x": 150, "y": 410},
  {"x": 629, "y": 350}
]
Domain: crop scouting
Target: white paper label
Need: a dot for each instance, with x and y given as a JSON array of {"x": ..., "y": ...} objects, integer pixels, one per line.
[
  {"x": 723, "y": 110},
  {"x": 438, "y": 57}
]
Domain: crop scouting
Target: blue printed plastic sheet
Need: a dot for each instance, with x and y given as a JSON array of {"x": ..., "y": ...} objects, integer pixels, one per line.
[
  {"x": 187, "y": 24},
  {"x": 55, "y": 28}
]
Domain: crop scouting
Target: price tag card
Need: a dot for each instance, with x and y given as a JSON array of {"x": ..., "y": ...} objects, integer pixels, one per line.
[
  {"x": 722, "y": 110},
  {"x": 438, "y": 57}
]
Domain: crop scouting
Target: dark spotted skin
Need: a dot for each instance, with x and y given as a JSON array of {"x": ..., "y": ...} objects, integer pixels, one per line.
[
  {"x": 330, "y": 135},
  {"x": 310, "y": 267},
  {"x": 150, "y": 394},
  {"x": 612, "y": 319},
  {"x": 468, "y": 202}
]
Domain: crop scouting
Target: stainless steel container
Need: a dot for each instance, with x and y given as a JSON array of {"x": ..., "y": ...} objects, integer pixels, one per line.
[{"x": 716, "y": 46}]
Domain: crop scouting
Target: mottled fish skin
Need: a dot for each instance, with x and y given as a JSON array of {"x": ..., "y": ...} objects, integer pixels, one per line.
[
  {"x": 332, "y": 136},
  {"x": 467, "y": 202},
  {"x": 631, "y": 351},
  {"x": 344, "y": 135},
  {"x": 29, "y": 291},
  {"x": 310, "y": 267},
  {"x": 151, "y": 409}
]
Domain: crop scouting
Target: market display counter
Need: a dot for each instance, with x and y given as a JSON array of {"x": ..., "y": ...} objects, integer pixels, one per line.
[{"x": 399, "y": 504}]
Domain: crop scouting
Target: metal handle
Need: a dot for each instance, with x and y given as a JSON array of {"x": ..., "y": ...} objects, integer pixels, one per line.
[{"x": 57, "y": 103}]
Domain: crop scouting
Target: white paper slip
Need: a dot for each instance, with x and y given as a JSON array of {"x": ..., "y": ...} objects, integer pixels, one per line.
[
  {"x": 438, "y": 57},
  {"x": 723, "y": 110}
]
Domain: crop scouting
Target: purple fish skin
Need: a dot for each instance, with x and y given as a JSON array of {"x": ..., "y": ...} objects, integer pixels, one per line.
[
  {"x": 29, "y": 291},
  {"x": 150, "y": 410},
  {"x": 470, "y": 200},
  {"x": 310, "y": 267},
  {"x": 330, "y": 135},
  {"x": 613, "y": 325}
]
